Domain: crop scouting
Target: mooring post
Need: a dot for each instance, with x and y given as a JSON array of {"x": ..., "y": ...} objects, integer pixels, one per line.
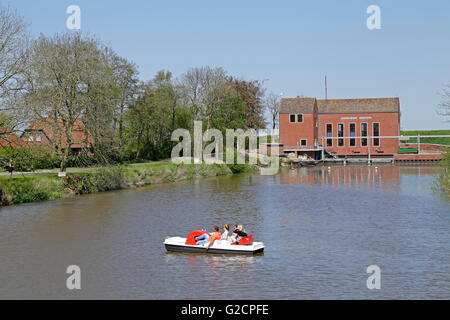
[
  {"x": 323, "y": 150},
  {"x": 368, "y": 148},
  {"x": 418, "y": 143}
]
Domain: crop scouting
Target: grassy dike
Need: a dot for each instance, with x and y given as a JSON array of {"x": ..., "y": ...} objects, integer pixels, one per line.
[
  {"x": 424, "y": 133},
  {"x": 23, "y": 189}
]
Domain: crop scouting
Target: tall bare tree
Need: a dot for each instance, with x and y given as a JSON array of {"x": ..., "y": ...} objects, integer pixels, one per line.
[
  {"x": 67, "y": 73},
  {"x": 444, "y": 106},
  {"x": 204, "y": 90},
  {"x": 273, "y": 106},
  {"x": 13, "y": 51}
]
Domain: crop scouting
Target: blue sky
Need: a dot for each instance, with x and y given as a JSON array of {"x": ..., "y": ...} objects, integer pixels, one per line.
[{"x": 291, "y": 45}]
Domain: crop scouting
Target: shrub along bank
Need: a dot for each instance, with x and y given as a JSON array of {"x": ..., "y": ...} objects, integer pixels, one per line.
[{"x": 22, "y": 189}]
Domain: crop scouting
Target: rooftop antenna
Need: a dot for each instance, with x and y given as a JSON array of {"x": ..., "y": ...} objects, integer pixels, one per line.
[{"x": 326, "y": 90}]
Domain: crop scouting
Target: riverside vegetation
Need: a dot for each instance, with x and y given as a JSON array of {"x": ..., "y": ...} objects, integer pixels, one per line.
[
  {"x": 30, "y": 188},
  {"x": 71, "y": 77}
]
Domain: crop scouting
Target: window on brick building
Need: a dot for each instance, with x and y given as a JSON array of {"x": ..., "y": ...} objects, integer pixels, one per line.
[
  {"x": 329, "y": 134},
  {"x": 376, "y": 133},
  {"x": 340, "y": 134},
  {"x": 364, "y": 134},
  {"x": 352, "y": 134}
]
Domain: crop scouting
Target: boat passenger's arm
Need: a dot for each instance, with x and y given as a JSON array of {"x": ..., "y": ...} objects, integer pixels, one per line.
[{"x": 210, "y": 243}]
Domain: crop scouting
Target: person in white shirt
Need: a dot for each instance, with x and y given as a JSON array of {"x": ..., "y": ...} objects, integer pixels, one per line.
[{"x": 226, "y": 228}]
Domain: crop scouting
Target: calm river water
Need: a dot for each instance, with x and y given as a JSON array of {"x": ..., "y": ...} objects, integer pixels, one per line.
[{"x": 321, "y": 228}]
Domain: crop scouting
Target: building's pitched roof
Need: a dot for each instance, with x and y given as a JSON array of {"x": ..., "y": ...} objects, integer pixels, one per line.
[
  {"x": 49, "y": 128},
  {"x": 297, "y": 105},
  {"x": 359, "y": 105},
  {"x": 9, "y": 138}
]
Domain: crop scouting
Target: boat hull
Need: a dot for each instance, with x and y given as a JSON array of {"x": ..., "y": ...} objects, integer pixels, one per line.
[
  {"x": 308, "y": 163},
  {"x": 175, "y": 248},
  {"x": 177, "y": 245}
]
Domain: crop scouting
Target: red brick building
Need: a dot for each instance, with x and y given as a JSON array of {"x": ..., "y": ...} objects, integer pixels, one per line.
[
  {"x": 50, "y": 133},
  {"x": 9, "y": 139},
  {"x": 342, "y": 127}
]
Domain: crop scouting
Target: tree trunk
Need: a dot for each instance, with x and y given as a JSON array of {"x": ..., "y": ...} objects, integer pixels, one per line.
[
  {"x": 138, "y": 144},
  {"x": 121, "y": 127},
  {"x": 68, "y": 130}
]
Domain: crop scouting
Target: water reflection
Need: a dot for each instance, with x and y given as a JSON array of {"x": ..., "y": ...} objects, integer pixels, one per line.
[
  {"x": 321, "y": 228},
  {"x": 339, "y": 175},
  {"x": 215, "y": 262},
  {"x": 219, "y": 272}
]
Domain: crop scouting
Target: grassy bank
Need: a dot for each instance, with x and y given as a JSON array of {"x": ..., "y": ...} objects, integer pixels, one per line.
[
  {"x": 423, "y": 133},
  {"x": 22, "y": 189},
  {"x": 442, "y": 180}
]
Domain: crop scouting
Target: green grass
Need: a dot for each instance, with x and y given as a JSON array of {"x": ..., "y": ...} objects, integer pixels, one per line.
[
  {"x": 31, "y": 188},
  {"x": 408, "y": 150},
  {"x": 22, "y": 189},
  {"x": 443, "y": 141},
  {"x": 442, "y": 180}
]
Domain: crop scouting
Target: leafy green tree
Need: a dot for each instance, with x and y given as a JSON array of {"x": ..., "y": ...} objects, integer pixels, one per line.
[
  {"x": 252, "y": 93},
  {"x": 125, "y": 75},
  {"x": 230, "y": 114}
]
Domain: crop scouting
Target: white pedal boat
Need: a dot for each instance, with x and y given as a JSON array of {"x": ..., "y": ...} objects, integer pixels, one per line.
[{"x": 245, "y": 246}]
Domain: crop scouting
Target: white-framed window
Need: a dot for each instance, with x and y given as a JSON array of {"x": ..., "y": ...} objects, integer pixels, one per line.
[
  {"x": 38, "y": 137},
  {"x": 364, "y": 132},
  {"x": 329, "y": 133},
  {"x": 30, "y": 138},
  {"x": 303, "y": 142},
  {"x": 296, "y": 118},
  {"x": 341, "y": 142},
  {"x": 376, "y": 133},
  {"x": 352, "y": 130}
]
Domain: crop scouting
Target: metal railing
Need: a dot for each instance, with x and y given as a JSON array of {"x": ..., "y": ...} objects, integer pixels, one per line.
[{"x": 369, "y": 138}]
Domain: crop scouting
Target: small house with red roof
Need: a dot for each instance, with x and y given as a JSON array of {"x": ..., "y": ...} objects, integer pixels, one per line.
[
  {"x": 51, "y": 133},
  {"x": 9, "y": 139}
]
